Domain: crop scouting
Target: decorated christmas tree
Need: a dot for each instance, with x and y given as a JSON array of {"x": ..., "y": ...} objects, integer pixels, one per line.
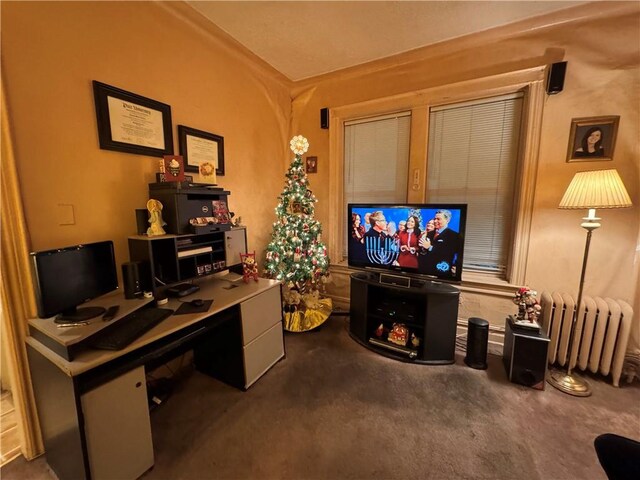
[{"x": 296, "y": 254}]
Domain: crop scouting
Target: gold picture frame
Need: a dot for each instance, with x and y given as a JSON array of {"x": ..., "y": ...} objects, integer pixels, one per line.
[{"x": 586, "y": 144}]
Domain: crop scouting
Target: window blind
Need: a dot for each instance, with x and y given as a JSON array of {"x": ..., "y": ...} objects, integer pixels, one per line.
[
  {"x": 472, "y": 159},
  {"x": 376, "y": 160}
]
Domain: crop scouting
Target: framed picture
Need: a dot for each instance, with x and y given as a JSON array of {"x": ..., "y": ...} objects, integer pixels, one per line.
[
  {"x": 132, "y": 123},
  {"x": 200, "y": 148},
  {"x": 312, "y": 165},
  {"x": 592, "y": 139}
]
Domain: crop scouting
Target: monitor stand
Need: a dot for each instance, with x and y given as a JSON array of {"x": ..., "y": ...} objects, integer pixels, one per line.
[{"x": 79, "y": 314}]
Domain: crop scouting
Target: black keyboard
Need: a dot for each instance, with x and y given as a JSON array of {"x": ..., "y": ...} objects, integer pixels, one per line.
[{"x": 130, "y": 327}]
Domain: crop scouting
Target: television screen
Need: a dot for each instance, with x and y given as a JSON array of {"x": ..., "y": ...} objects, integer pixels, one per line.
[
  {"x": 68, "y": 277},
  {"x": 425, "y": 239}
]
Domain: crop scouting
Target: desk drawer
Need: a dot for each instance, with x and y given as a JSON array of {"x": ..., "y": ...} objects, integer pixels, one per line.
[
  {"x": 261, "y": 354},
  {"x": 260, "y": 313}
]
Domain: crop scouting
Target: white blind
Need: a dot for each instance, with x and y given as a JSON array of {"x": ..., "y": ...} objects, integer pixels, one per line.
[
  {"x": 376, "y": 161},
  {"x": 472, "y": 159}
]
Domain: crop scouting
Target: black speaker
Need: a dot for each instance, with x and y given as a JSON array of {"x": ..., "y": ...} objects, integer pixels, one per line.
[
  {"x": 142, "y": 220},
  {"x": 525, "y": 355},
  {"x": 477, "y": 343},
  {"x": 131, "y": 280},
  {"x": 324, "y": 118},
  {"x": 555, "y": 81}
]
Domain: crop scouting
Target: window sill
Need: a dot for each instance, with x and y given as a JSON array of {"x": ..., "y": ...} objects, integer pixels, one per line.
[{"x": 472, "y": 282}]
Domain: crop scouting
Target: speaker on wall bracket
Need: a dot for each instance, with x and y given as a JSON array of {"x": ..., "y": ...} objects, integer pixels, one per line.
[
  {"x": 555, "y": 80},
  {"x": 324, "y": 118}
]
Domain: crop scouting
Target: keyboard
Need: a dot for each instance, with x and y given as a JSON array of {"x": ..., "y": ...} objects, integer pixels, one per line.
[{"x": 129, "y": 328}]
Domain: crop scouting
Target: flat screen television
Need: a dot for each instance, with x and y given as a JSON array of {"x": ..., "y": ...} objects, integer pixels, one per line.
[
  {"x": 65, "y": 278},
  {"x": 422, "y": 239}
]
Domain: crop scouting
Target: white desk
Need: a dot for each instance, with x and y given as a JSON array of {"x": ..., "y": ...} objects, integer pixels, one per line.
[{"x": 93, "y": 407}]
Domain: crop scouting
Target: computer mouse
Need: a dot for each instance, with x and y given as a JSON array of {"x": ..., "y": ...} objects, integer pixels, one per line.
[{"x": 196, "y": 302}]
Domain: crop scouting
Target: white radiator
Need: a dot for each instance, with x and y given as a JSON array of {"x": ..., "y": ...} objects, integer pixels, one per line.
[{"x": 601, "y": 336}]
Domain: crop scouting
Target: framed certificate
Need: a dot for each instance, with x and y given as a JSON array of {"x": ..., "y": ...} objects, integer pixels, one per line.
[
  {"x": 201, "y": 149},
  {"x": 132, "y": 123}
]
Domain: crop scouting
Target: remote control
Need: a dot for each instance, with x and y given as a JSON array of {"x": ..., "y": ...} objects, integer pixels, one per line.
[{"x": 110, "y": 313}]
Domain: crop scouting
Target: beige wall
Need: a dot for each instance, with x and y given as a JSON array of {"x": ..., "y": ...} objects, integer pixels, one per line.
[
  {"x": 51, "y": 51},
  {"x": 602, "y": 45}
]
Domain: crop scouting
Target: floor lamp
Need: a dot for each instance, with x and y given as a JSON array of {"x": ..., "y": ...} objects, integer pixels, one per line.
[{"x": 591, "y": 190}]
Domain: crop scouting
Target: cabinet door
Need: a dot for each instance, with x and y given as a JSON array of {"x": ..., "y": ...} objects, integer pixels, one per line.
[
  {"x": 117, "y": 427},
  {"x": 262, "y": 353},
  {"x": 235, "y": 244},
  {"x": 260, "y": 313}
]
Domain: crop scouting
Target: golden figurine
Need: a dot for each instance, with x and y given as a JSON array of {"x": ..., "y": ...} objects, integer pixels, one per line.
[{"x": 155, "y": 218}]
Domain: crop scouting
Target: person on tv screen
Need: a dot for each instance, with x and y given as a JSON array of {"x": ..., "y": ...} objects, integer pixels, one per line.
[
  {"x": 439, "y": 249},
  {"x": 378, "y": 226},
  {"x": 591, "y": 144},
  {"x": 409, "y": 243},
  {"x": 356, "y": 239}
]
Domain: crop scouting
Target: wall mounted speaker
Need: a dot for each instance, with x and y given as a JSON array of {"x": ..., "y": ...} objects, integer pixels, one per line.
[
  {"x": 131, "y": 280},
  {"x": 555, "y": 81},
  {"x": 324, "y": 118},
  {"x": 477, "y": 343}
]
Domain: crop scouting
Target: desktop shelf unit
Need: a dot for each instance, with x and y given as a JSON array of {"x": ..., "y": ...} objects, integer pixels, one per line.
[
  {"x": 171, "y": 259},
  {"x": 428, "y": 309}
]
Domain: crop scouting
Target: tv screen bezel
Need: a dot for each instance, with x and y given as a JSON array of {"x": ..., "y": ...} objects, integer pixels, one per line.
[
  {"x": 372, "y": 206},
  {"x": 70, "y": 306}
]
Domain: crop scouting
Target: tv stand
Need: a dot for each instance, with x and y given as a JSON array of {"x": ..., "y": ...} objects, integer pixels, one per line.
[{"x": 428, "y": 309}]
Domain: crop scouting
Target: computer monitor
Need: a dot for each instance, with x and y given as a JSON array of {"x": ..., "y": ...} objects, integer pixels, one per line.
[{"x": 65, "y": 278}]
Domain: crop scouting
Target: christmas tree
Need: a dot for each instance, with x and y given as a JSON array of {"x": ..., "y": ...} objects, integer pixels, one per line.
[{"x": 296, "y": 254}]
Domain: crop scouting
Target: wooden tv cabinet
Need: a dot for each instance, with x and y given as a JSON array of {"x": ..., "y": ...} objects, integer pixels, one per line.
[{"x": 428, "y": 309}]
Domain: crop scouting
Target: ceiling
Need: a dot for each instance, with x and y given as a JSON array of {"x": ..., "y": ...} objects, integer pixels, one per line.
[{"x": 304, "y": 39}]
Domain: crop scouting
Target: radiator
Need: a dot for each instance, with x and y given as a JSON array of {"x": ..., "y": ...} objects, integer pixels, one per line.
[{"x": 600, "y": 338}]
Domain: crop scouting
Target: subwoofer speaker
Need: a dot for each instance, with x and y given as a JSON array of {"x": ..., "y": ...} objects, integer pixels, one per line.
[
  {"x": 477, "y": 343},
  {"x": 555, "y": 81},
  {"x": 324, "y": 118},
  {"x": 131, "y": 280},
  {"x": 525, "y": 357}
]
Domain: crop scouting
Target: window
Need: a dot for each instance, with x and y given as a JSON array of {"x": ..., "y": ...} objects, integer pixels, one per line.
[
  {"x": 376, "y": 156},
  {"x": 473, "y": 159}
]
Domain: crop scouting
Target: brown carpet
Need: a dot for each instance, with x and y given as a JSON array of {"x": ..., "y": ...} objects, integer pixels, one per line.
[{"x": 335, "y": 410}]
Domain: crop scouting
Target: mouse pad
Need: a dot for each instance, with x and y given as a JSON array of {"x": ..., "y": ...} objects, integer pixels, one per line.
[{"x": 186, "y": 307}]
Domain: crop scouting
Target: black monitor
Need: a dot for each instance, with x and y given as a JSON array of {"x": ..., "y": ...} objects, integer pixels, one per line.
[{"x": 65, "y": 278}]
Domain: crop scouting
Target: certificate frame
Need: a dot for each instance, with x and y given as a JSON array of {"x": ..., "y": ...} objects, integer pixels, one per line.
[
  {"x": 215, "y": 144},
  {"x": 151, "y": 132}
]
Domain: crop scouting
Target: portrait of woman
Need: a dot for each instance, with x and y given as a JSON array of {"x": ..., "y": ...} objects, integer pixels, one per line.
[
  {"x": 592, "y": 139},
  {"x": 591, "y": 144}
]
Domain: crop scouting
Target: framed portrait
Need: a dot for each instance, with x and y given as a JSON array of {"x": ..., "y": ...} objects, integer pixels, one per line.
[
  {"x": 132, "y": 123},
  {"x": 592, "y": 139},
  {"x": 200, "y": 148},
  {"x": 312, "y": 165}
]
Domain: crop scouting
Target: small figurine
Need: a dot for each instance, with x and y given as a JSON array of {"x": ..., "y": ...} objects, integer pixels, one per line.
[
  {"x": 399, "y": 334},
  {"x": 249, "y": 267},
  {"x": 415, "y": 341},
  {"x": 155, "y": 218},
  {"x": 380, "y": 331},
  {"x": 528, "y": 307}
]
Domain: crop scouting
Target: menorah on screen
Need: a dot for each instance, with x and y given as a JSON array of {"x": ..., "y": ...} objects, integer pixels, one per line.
[{"x": 382, "y": 250}]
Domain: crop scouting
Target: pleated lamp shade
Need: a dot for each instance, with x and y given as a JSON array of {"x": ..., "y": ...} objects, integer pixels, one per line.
[{"x": 596, "y": 189}]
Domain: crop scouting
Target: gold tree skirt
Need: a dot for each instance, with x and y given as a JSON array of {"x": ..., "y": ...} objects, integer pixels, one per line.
[{"x": 303, "y": 321}]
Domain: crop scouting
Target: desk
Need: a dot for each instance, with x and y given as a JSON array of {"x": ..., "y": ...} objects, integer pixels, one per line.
[{"x": 93, "y": 407}]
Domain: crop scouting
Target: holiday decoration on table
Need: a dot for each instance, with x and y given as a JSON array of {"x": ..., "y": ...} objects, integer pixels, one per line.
[
  {"x": 296, "y": 255},
  {"x": 528, "y": 307},
  {"x": 249, "y": 267}
]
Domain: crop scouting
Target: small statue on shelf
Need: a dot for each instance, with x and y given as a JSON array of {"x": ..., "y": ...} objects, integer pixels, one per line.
[{"x": 155, "y": 218}]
